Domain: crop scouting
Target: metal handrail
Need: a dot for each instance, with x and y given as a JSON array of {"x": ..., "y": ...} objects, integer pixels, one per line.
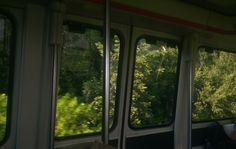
[{"x": 107, "y": 25}]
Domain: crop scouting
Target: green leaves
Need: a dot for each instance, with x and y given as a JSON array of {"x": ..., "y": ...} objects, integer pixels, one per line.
[
  {"x": 153, "y": 84},
  {"x": 3, "y": 115},
  {"x": 79, "y": 105},
  {"x": 5, "y": 66},
  {"x": 75, "y": 118},
  {"x": 214, "y": 86}
]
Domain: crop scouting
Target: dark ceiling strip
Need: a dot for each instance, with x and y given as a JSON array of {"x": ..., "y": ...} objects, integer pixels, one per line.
[
  {"x": 167, "y": 18},
  {"x": 211, "y": 5}
]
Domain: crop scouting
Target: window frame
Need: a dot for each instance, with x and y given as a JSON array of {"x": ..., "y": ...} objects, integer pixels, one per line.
[
  {"x": 214, "y": 49},
  {"x": 11, "y": 80},
  {"x": 76, "y": 25},
  {"x": 170, "y": 42}
]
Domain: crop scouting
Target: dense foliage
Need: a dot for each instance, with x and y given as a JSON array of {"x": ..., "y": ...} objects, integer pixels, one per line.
[
  {"x": 5, "y": 43},
  {"x": 214, "y": 86},
  {"x": 79, "y": 102},
  {"x": 154, "y": 84},
  {"x": 153, "y": 91},
  {"x": 3, "y": 114}
]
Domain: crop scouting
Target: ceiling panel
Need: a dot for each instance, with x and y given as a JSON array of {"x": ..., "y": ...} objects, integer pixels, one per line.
[{"x": 225, "y": 7}]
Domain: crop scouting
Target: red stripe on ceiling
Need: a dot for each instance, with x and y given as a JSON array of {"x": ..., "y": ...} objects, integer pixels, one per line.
[{"x": 167, "y": 18}]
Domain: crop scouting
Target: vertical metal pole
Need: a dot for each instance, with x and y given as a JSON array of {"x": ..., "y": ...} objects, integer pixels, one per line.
[
  {"x": 54, "y": 94},
  {"x": 190, "y": 107},
  {"x": 105, "y": 128}
]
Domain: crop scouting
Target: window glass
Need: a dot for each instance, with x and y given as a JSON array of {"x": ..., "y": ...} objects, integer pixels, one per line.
[
  {"x": 5, "y": 54},
  {"x": 214, "y": 91},
  {"x": 80, "y": 93},
  {"x": 154, "y": 83}
]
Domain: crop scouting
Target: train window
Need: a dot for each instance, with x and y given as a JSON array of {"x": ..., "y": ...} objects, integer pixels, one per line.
[
  {"x": 214, "y": 91},
  {"x": 79, "y": 102},
  {"x": 5, "y": 69},
  {"x": 154, "y": 83}
]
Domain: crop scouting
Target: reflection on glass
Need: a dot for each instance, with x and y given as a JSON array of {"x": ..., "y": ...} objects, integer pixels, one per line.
[
  {"x": 80, "y": 90},
  {"x": 154, "y": 83},
  {"x": 214, "y": 95}
]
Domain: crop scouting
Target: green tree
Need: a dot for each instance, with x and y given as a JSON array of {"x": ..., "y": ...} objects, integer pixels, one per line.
[
  {"x": 79, "y": 105},
  {"x": 5, "y": 53},
  {"x": 154, "y": 84},
  {"x": 3, "y": 115},
  {"x": 214, "y": 86},
  {"x": 75, "y": 118}
]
